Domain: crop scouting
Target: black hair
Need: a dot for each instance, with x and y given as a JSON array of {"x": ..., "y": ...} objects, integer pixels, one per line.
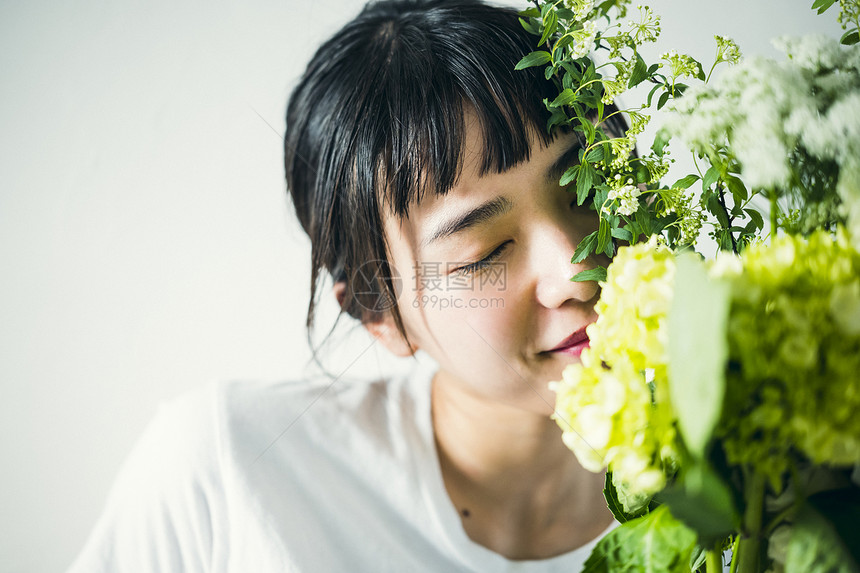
[{"x": 378, "y": 119}]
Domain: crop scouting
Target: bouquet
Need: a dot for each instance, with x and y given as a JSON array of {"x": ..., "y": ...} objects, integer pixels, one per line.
[{"x": 721, "y": 396}]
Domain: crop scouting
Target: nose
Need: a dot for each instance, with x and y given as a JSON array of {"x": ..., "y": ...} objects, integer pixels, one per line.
[{"x": 553, "y": 249}]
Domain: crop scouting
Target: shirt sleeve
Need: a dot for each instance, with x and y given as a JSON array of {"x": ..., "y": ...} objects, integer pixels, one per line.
[{"x": 162, "y": 511}]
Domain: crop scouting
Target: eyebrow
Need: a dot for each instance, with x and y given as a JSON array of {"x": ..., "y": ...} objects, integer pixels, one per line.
[{"x": 479, "y": 215}]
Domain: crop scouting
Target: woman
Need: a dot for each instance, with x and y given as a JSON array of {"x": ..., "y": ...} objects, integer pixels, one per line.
[{"x": 419, "y": 165}]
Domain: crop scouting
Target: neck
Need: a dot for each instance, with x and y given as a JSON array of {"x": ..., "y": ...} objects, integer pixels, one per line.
[{"x": 519, "y": 490}]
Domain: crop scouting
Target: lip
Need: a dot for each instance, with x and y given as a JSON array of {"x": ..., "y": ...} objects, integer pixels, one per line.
[{"x": 573, "y": 345}]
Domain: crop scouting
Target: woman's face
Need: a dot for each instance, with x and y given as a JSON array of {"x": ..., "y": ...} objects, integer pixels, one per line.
[{"x": 486, "y": 272}]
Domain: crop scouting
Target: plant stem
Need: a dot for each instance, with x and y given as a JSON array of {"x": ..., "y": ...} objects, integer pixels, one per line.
[
  {"x": 750, "y": 544},
  {"x": 722, "y": 199},
  {"x": 774, "y": 211},
  {"x": 734, "y": 567},
  {"x": 707, "y": 79},
  {"x": 713, "y": 561}
]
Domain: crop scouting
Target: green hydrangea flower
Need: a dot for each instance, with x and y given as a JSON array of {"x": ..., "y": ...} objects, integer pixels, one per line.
[
  {"x": 614, "y": 407},
  {"x": 794, "y": 338}
]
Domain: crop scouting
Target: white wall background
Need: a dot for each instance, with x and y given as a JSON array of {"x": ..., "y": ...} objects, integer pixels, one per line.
[{"x": 146, "y": 244}]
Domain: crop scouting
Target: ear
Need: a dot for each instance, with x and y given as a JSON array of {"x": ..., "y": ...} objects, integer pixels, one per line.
[
  {"x": 381, "y": 327},
  {"x": 385, "y": 331}
]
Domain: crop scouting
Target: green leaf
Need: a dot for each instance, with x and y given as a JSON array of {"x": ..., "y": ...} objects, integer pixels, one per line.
[
  {"x": 725, "y": 240},
  {"x": 644, "y": 221},
  {"x": 738, "y": 189},
  {"x": 569, "y": 175},
  {"x": 584, "y": 248},
  {"x": 529, "y": 27},
  {"x": 604, "y": 235},
  {"x": 566, "y": 97},
  {"x": 822, "y": 5},
  {"x": 640, "y": 72},
  {"x": 597, "y": 274},
  {"x": 661, "y": 141},
  {"x": 584, "y": 182},
  {"x": 717, "y": 210},
  {"x": 697, "y": 559},
  {"x": 557, "y": 52},
  {"x": 533, "y": 59},
  {"x": 564, "y": 13},
  {"x": 590, "y": 73},
  {"x": 737, "y": 212},
  {"x": 550, "y": 23},
  {"x": 530, "y": 13},
  {"x": 850, "y": 37},
  {"x": 558, "y": 117},
  {"x": 595, "y": 154},
  {"x": 697, "y": 351},
  {"x": 651, "y": 94},
  {"x": 567, "y": 81},
  {"x": 663, "y": 99},
  {"x": 622, "y": 233},
  {"x": 711, "y": 177},
  {"x": 825, "y": 536},
  {"x": 587, "y": 129},
  {"x": 703, "y": 502},
  {"x": 614, "y": 504},
  {"x": 544, "y": 8},
  {"x": 685, "y": 182},
  {"x": 756, "y": 218},
  {"x": 656, "y": 542},
  {"x": 601, "y": 194}
]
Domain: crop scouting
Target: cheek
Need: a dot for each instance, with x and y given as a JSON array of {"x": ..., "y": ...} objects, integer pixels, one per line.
[{"x": 473, "y": 328}]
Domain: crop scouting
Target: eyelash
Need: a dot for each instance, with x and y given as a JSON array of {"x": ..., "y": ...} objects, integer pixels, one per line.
[
  {"x": 483, "y": 263},
  {"x": 478, "y": 266}
]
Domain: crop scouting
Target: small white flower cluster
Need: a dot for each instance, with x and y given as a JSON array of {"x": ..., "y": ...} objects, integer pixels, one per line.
[
  {"x": 638, "y": 121},
  {"x": 690, "y": 216},
  {"x": 765, "y": 109},
  {"x": 727, "y": 50},
  {"x": 647, "y": 29},
  {"x": 612, "y": 87},
  {"x": 581, "y": 8},
  {"x": 680, "y": 64},
  {"x": 849, "y": 12},
  {"x": 584, "y": 38},
  {"x": 616, "y": 44},
  {"x": 621, "y": 148},
  {"x": 627, "y": 195}
]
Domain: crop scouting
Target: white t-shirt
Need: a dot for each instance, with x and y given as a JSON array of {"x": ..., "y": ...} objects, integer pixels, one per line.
[{"x": 312, "y": 476}]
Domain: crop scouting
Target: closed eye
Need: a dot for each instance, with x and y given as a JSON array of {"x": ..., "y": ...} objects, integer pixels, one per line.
[{"x": 478, "y": 266}]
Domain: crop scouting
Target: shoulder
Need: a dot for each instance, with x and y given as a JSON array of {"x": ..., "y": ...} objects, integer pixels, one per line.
[
  {"x": 158, "y": 512},
  {"x": 319, "y": 412},
  {"x": 193, "y": 432},
  {"x": 259, "y": 454}
]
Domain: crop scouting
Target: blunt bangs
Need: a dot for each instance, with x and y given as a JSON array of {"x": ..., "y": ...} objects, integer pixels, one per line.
[{"x": 427, "y": 74}]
